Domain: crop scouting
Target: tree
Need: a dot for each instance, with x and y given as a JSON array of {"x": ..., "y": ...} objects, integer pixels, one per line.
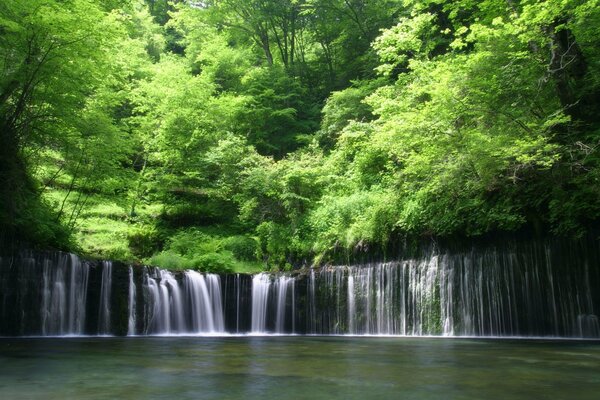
[{"x": 55, "y": 57}]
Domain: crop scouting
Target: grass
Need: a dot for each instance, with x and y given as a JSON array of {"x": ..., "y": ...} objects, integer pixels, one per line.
[
  {"x": 210, "y": 250},
  {"x": 101, "y": 227},
  {"x": 249, "y": 267},
  {"x": 104, "y": 229}
]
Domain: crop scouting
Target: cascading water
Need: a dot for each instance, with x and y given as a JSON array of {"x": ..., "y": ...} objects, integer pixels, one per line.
[
  {"x": 43, "y": 294},
  {"x": 77, "y": 295},
  {"x": 465, "y": 294},
  {"x": 261, "y": 284},
  {"x": 283, "y": 285},
  {"x": 204, "y": 294},
  {"x": 519, "y": 289},
  {"x": 131, "y": 306},
  {"x": 164, "y": 303},
  {"x": 312, "y": 302},
  {"x": 351, "y": 305},
  {"x": 104, "y": 322},
  {"x": 64, "y": 295},
  {"x": 191, "y": 305},
  {"x": 273, "y": 304},
  {"x": 215, "y": 296}
]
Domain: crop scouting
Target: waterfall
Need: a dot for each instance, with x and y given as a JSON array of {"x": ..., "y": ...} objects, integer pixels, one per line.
[
  {"x": 470, "y": 294},
  {"x": 131, "y": 306},
  {"x": 529, "y": 288},
  {"x": 165, "y": 303},
  {"x": 261, "y": 284},
  {"x": 197, "y": 291},
  {"x": 64, "y": 294},
  {"x": 204, "y": 294},
  {"x": 312, "y": 303},
  {"x": 282, "y": 284},
  {"x": 273, "y": 304},
  {"x": 54, "y": 300},
  {"x": 77, "y": 295},
  {"x": 214, "y": 294},
  {"x": 351, "y": 305},
  {"x": 191, "y": 305},
  {"x": 104, "y": 322},
  {"x": 588, "y": 326}
]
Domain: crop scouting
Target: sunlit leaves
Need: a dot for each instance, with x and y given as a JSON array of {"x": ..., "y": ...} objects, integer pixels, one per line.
[{"x": 410, "y": 38}]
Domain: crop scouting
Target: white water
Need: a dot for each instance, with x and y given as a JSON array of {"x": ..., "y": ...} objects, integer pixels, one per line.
[
  {"x": 104, "y": 321},
  {"x": 260, "y": 295},
  {"x": 131, "y": 321},
  {"x": 64, "y": 294},
  {"x": 204, "y": 293},
  {"x": 165, "y": 302},
  {"x": 190, "y": 306},
  {"x": 282, "y": 284},
  {"x": 312, "y": 303},
  {"x": 488, "y": 294},
  {"x": 535, "y": 291}
]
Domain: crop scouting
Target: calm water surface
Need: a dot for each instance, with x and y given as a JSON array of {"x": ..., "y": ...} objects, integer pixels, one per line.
[{"x": 298, "y": 368}]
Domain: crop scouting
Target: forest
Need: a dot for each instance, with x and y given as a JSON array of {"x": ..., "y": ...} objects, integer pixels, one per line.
[{"x": 249, "y": 135}]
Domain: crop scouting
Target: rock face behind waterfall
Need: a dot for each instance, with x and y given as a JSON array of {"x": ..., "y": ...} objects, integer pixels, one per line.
[{"x": 510, "y": 288}]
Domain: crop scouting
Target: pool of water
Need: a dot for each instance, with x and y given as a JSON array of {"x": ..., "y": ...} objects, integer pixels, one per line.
[{"x": 298, "y": 367}]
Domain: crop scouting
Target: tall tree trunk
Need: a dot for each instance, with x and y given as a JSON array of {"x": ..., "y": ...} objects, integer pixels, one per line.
[
  {"x": 278, "y": 40},
  {"x": 264, "y": 43}
]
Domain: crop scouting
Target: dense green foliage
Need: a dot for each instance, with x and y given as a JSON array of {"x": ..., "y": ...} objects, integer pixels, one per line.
[{"x": 249, "y": 134}]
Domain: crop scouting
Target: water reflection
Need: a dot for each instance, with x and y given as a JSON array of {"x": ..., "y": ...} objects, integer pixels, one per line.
[{"x": 297, "y": 368}]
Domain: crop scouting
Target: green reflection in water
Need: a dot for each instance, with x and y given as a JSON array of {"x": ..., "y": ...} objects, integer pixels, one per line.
[{"x": 298, "y": 368}]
